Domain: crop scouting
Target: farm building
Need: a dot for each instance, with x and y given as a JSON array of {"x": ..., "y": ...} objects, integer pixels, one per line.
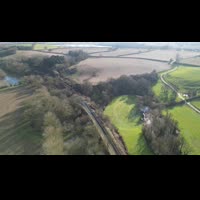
[{"x": 145, "y": 109}]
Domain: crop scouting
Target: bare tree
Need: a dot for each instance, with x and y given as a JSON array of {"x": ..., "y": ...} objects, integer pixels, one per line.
[{"x": 53, "y": 135}]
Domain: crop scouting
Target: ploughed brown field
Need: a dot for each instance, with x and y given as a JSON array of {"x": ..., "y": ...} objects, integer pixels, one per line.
[
  {"x": 101, "y": 69},
  {"x": 165, "y": 55},
  {"x": 121, "y": 52},
  {"x": 191, "y": 61},
  {"x": 3, "y": 83}
]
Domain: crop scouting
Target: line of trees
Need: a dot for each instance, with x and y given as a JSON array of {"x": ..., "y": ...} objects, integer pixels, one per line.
[
  {"x": 163, "y": 136},
  {"x": 59, "y": 120},
  {"x": 167, "y": 96},
  {"x": 7, "y": 51},
  {"x": 104, "y": 92},
  {"x": 43, "y": 65}
]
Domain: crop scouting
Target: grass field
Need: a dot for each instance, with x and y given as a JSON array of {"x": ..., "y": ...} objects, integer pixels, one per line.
[
  {"x": 120, "y": 113},
  {"x": 189, "y": 124},
  {"x": 16, "y": 136},
  {"x": 43, "y": 46},
  {"x": 115, "y": 67},
  {"x": 39, "y": 46},
  {"x": 157, "y": 90},
  {"x": 185, "y": 78},
  {"x": 196, "y": 103}
]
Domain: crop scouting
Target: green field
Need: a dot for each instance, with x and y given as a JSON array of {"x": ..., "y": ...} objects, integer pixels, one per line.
[
  {"x": 189, "y": 124},
  {"x": 120, "y": 112},
  {"x": 25, "y": 45},
  {"x": 39, "y": 46},
  {"x": 43, "y": 46},
  {"x": 196, "y": 103},
  {"x": 157, "y": 90},
  {"x": 185, "y": 78}
]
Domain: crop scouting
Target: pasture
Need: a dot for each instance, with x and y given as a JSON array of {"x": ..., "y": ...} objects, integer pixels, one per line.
[
  {"x": 101, "y": 69},
  {"x": 185, "y": 78},
  {"x": 196, "y": 103},
  {"x": 44, "y": 46},
  {"x": 121, "y": 113},
  {"x": 189, "y": 124},
  {"x": 25, "y": 45},
  {"x": 16, "y": 136}
]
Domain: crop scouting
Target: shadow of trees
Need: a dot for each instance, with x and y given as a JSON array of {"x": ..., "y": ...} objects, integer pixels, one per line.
[{"x": 142, "y": 147}]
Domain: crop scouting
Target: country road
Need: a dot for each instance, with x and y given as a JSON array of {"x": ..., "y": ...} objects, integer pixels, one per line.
[{"x": 179, "y": 95}]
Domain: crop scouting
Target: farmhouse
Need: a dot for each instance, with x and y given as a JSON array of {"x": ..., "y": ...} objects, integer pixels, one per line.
[
  {"x": 145, "y": 110},
  {"x": 146, "y": 115},
  {"x": 186, "y": 95}
]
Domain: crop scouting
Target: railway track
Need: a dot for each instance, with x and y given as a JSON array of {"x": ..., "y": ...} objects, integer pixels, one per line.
[
  {"x": 113, "y": 144},
  {"x": 113, "y": 147}
]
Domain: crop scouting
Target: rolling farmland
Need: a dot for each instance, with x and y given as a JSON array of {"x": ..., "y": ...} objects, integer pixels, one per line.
[
  {"x": 191, "y": 61},
  {"x": 120, "y": 52},
  {"x": 165, "y": 55},
  {"x": 88, "y": 50},
  {"x": 185, "y": 78},
  {"x": 101, "y": 69},
  {"x": 189, "y": 126},
  {"x": 196, "y": 103}
]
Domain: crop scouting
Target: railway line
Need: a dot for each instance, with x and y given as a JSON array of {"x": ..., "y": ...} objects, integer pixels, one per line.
[
  {"x": 111, "y": 142},
  {"x": 113, "y": 146}
]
